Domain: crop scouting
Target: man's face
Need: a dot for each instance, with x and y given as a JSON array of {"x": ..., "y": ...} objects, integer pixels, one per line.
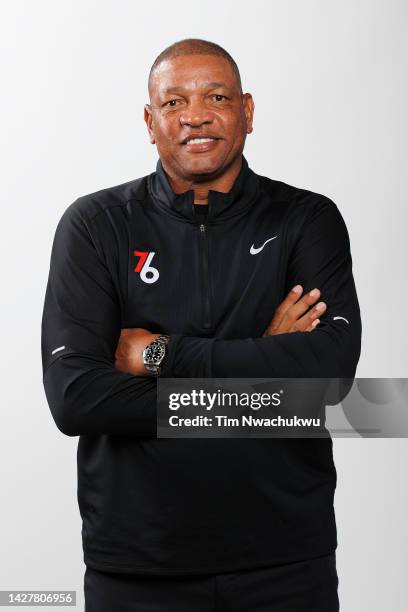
[{"x": 197, "y": 97}]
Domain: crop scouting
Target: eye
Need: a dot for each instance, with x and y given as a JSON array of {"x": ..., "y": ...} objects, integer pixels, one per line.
[
  {"x": 172, "y": 102},
  {"x": 219, "y": 97}
]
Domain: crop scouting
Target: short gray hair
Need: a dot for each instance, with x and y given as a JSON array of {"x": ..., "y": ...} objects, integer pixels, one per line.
[{"x": 194, "y": 46}]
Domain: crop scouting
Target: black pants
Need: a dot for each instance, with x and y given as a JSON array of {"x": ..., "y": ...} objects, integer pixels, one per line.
[{"x": 306, "y": 586}]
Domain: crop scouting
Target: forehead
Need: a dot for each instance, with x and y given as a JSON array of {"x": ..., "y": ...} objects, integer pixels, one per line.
[{"x": 192, "y": 72}]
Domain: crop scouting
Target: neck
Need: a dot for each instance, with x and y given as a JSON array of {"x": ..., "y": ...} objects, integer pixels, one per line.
[{"x": 222, "y": 183}]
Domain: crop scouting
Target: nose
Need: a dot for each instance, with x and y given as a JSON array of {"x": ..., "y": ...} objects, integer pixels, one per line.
[{"x": 195, "y": 113}]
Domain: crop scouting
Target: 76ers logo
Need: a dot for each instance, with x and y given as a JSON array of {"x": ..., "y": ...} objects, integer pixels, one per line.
[{"x": 148, "y": 274}]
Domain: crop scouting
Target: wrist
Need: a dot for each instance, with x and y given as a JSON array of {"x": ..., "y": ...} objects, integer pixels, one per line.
[{"x": 154, "y": 354}]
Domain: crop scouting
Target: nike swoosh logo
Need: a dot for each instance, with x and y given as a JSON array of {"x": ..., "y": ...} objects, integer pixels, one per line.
[
  {"x": 60, "y": 348},
  {"x": 254, "y": 251},
  {"x": 342, "y": 318}
]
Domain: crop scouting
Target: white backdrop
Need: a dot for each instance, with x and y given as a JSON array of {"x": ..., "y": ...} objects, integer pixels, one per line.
[{"x": 330, "y": 89}]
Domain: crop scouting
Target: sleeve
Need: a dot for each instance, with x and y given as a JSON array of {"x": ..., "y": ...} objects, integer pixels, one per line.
[
  {"x": 80, "y": 328},
  {"x": 319, "y": 257}
]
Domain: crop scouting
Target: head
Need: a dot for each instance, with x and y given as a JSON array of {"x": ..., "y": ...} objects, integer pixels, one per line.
[{"x": 198, "y": 116}]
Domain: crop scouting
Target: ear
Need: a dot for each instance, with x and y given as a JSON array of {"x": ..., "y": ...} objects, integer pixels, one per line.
[
  {"x": 249, "y": 107},
  {"x": 148, "y": 117}
]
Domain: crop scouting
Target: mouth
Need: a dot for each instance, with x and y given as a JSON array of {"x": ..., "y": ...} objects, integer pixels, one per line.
[
  {"x": 193, "y": 138},
  {"x": 200, "y": 142}
]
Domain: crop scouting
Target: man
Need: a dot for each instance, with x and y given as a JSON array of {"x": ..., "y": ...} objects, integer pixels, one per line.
[{"x": 201, "y": 269}]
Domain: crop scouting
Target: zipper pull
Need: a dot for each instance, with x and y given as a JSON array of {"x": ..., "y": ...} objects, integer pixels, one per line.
[{"x": 202, "y": 227}]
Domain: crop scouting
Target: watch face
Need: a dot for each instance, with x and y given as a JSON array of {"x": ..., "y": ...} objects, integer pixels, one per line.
[{"x": 154, "y": 353}]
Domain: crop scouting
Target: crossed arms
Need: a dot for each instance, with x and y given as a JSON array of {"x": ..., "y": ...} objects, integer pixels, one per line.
[{"x": 87, "y": 394}]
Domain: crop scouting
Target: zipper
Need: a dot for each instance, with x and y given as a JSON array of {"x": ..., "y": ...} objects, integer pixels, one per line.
[{"x": 206, "y": 279}]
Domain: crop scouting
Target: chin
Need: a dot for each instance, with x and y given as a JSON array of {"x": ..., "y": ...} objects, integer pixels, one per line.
[{"x": 201, "y": 165}]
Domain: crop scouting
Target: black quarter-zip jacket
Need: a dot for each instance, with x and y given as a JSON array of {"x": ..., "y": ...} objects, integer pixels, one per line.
[{"x": 137, "y": 255}]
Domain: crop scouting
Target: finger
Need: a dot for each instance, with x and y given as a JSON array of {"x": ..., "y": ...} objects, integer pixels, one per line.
[
  {"x": 292, "y": 321},
  {"x": 292, "y": 297},
  {"x": 313, "y": 325},
  {"x": 303, "y": 305},
  {"x": 291, "y": 309},
  {"x": 312, "y": 315}
]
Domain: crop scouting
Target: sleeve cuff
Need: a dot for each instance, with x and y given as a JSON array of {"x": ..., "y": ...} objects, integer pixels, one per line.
[{"x": 166, "y": 370}]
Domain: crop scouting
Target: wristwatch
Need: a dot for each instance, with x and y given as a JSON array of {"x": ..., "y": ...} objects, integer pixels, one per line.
[{"x": 154, "y": 353}]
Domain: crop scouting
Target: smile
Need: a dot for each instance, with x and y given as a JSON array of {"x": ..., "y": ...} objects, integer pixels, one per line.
[{"x": 199, "y": 140}]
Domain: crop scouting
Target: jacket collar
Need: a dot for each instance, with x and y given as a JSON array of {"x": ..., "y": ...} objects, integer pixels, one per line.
[{"x": 220, "y": 205}]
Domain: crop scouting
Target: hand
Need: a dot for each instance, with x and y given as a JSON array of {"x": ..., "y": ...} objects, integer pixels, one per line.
[
  {"x": 290, "y": 317},
  {"x": 131, "y": 344}
]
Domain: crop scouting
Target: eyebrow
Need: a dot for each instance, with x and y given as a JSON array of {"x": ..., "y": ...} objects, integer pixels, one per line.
[{"x": 175, "y": 89}]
